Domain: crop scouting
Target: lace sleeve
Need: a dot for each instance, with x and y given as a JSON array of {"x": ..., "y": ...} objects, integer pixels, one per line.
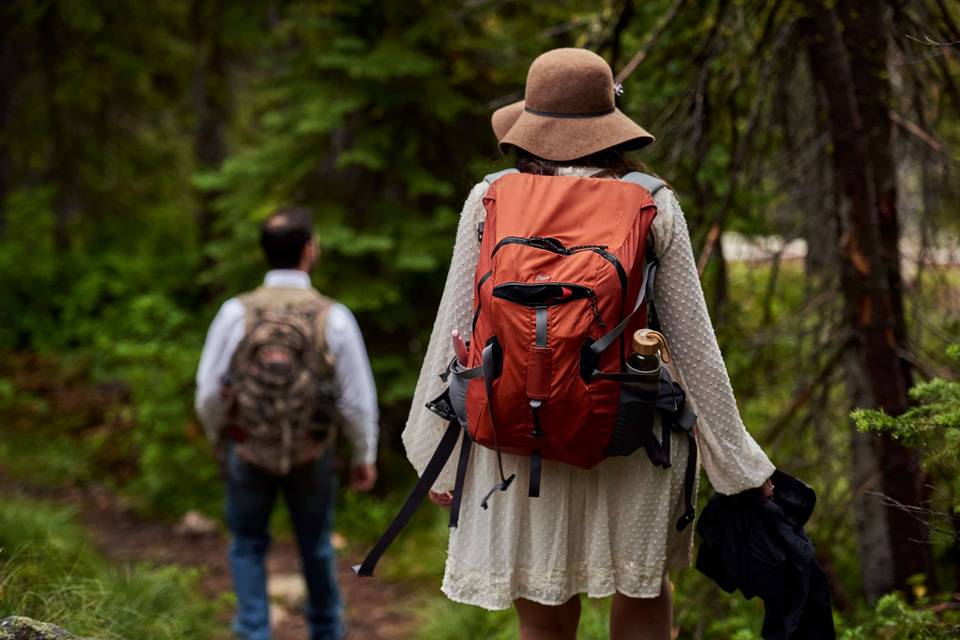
[
  {"x": 424, "y": 428},
  {"x": 733, "y": 460}
]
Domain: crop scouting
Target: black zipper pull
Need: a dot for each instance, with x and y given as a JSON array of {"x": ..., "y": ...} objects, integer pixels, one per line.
[
  {"x": 480, "y": 232},
  {"x": 596, "y": 311},
  {"x": 556, "y": 245}
]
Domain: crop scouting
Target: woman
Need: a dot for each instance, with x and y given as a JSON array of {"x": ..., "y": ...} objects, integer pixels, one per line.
[{"x": 608, "y": 530}]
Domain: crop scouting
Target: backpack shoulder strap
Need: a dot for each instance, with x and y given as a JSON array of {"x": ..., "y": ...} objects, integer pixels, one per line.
[
  {"x": 263, "y": 299},
  {"x": 319, "y": 306},
  {"x": 324, "y": 305},
  {"x": 645, "y": 180},
  {"x": 490, "y": 178},
  {"x": 254, "y": 303}
]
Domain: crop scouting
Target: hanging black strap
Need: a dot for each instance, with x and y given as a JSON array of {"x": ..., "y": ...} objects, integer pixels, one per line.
[
  {"x": 689, "y": 479},
  {"x": 676, "y": 412},
  {"x": 646, "y": 412},
  {"x": 536, "y": 466},
  {"x": 465, "y": 446},
  {"x": 665, "y": 429},
  {"x": 417, "y": 494}
]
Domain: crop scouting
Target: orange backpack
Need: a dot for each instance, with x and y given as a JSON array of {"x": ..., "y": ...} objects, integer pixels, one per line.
[{"x": 565, "y": 271}]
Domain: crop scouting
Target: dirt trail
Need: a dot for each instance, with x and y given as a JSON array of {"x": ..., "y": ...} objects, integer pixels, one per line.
[{"x": 375, "y": 609}]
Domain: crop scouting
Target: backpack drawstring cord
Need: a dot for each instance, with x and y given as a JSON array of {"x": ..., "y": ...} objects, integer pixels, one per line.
[{"x": 488, "y": 375}]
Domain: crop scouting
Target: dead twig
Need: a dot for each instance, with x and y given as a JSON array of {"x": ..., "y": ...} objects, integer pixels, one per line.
[
  {"x": 916, "y": 131},
  {"x": 648, "y": 42},
  {"x": 930, "y": 42},
  {"x": 807, "y": 390}
]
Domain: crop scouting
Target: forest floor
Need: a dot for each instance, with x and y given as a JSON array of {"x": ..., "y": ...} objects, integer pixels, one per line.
[{"x": 375, "y": 609}]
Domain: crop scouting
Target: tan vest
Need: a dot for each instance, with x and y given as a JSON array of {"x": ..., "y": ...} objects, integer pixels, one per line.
[{"x": 279, "y": 445}]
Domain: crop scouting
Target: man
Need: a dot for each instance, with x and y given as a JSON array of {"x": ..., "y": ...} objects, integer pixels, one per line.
[{"x": 275, "y": 363}]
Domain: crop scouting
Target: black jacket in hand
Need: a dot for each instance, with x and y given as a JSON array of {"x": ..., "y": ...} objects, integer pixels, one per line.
[{"x": 758, "y": 546}]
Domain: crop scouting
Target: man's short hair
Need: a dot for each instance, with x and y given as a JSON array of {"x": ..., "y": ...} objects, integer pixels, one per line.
[{"x": 284, "y": 235}]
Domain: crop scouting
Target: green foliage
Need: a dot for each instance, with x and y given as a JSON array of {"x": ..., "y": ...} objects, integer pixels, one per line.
[
  {"x": 441, "y": 619},
  {"x": 894, "y": 619},
  {"x": 931, "y": 424},
  {"x": 49, "y": 571},
  {"x": 153, "y": 349},
  {"x": 446, "y": 620}
]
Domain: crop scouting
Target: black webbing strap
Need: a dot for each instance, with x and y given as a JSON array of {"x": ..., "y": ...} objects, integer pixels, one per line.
[
  {"x": 649, "y": 273},
  {"x": 417, "y": 494},
  {"x": 465, "y": 446},
  {"x": 536, "y": 466},
  {"x": 689, "y": 479},
  {"x": 676, "y": 412},
  {"x": 657, "y": 451},
  {"x": 665, "y": 440}
]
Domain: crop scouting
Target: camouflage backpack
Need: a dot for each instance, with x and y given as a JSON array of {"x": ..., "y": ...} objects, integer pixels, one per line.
[{"x": 281, "y": 375}]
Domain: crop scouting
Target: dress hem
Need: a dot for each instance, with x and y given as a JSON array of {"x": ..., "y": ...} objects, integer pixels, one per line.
[{"x": 499, "y": 606}]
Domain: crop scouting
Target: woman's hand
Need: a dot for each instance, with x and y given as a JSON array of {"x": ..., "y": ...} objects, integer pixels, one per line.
[
  {"x": 767, "y": 489},
  {"x": 444, "y": 499}
]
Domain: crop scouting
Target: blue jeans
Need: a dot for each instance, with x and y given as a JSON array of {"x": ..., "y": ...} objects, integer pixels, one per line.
[{"x": 309, "y": 492}]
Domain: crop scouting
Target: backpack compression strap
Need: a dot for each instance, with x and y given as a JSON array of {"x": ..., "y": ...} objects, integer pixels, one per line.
[
  {"x": 651, "y": 184},
  {"x": 649, "y": 274}
]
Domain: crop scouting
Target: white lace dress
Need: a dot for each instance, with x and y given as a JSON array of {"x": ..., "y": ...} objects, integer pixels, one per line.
[{"x": 609, "y": 529}]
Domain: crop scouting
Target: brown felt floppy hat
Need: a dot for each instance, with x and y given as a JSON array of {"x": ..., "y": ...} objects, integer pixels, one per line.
[{"x": 568, "y": 110}]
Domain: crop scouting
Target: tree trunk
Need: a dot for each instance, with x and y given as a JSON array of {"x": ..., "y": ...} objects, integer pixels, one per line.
[
  {"x": 60, "y": 170},
  {"x": 210, "y": 102},
  {"x": 866, "y": 29},
  {"x": 10, "y": 69},
  {"x": 891, "y": 541}
]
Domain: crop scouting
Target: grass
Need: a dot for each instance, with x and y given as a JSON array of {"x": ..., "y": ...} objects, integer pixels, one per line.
[
  {"x": 701, "y": 610},
  {"x": 441, "y": 619},
  {"x": 49, "y": 571}
]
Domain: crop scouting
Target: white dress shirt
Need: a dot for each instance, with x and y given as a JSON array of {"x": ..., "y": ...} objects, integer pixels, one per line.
[{"x": 358, "y": 395}]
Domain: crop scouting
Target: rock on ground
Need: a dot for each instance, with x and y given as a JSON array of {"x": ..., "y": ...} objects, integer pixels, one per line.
[
  {"x": 19, "y": 628},
  {"x": 194, "y": 525},
  {"x": 288, "y": 589}
]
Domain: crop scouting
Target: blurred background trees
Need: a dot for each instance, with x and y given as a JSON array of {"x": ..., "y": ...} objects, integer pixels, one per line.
[{"x": 141, "y": 142}]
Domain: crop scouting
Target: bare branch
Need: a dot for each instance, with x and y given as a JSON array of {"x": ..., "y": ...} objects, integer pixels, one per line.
[
  {"x": 648, "y": 42},
  {"x": 930, "y": 42},
  {"x": 916, "y": 131},
  {"x": 806, "y": 392}
]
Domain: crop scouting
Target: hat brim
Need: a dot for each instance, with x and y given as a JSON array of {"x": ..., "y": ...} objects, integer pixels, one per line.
[
  {"x": 559, "y": 139},
  {"x": 504, "y": 118}
]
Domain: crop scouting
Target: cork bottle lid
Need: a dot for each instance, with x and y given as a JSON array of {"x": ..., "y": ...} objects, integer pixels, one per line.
[{"x": 648, "y": 342}]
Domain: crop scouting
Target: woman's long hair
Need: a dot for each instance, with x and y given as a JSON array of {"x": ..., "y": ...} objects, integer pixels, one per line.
[{"x": 613, "y": 163}]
